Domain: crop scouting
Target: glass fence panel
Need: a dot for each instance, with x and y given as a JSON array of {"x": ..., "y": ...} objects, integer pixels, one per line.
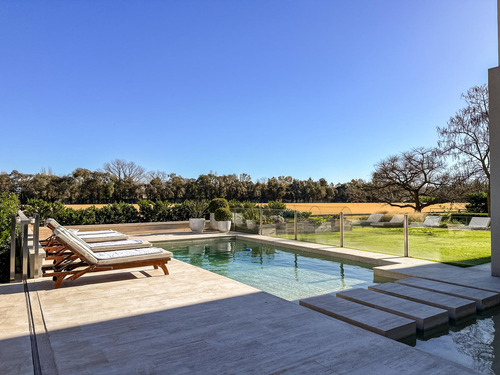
[
  {"x": 463, "y": 240},
  {"x": 319, "y": 228},
  {"x": 246, "y": 219},
  {"x": 278, "y": 223},
  {"x": 374, "y": 232}
]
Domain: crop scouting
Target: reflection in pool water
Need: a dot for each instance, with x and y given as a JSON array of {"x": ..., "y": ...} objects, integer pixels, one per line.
[{"x": 476, "y": 346}]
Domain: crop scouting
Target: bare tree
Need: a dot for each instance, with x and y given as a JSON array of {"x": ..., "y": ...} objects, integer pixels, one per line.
[
  {"x": 416, "y": 179},
  {"x": 125, "y": 170},
  {"x": 466, "y": 136}
]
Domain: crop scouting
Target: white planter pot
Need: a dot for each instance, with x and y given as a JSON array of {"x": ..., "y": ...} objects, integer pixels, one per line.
[
  {"x": 197, "y": 225},
  {"x": 213, "y": 222},
  {"x": 224, "y": 226}
]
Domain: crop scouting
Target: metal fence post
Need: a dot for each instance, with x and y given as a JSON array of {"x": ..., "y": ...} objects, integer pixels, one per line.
[
  {"x": 341, "y": 229},
  {"x": 406, "y": 237},
  {"x": 295, "y": 216},
  {"x": 36, "y": 247},
  {"x": 234, "y": 221},
  {"x": 260, "y": 225},
  {"x": 25, "y": 250},
  {"x": 13, "y": 248}
]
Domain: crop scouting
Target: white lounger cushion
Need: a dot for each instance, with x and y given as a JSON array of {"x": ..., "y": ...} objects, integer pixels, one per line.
[
  {"x": 109, "y": 257},
  {"x": 94, "y": 232},
  {"x": 479, "y": 222},
  {"x": 432, "y": 221},
  {"x": 128, "y": 253},
  {"x": 117, "y": 245},
  {"x": 71, "y": 240},
  {"x": 103, "y": 237},
  {"x": 373, "y": 218}
]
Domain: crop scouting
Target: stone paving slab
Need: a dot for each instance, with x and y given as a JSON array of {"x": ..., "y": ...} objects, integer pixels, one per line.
[
  {"x": 427, "y": 317},
  {"x": 484, "y": 299},
  {"x": 381, "y": 322},
  {"x": 15, "y": 343},
  {"x": 458, "y": 308},
  {"x": 196, "y": 322}
]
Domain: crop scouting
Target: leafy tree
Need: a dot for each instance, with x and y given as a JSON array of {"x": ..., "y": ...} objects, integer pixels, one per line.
[{"x": 466, "y": 136}]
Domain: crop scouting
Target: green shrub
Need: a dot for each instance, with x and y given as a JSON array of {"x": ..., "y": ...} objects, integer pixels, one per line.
[
  {"x": 223, "y": 214},
  {"x": 197, "y": 209},
  {"x": 477, "y": 202},
  {"x": 218, "y": 203},
  {"x": 9, "y": 205},
  {"x": 274, "y": 205}
]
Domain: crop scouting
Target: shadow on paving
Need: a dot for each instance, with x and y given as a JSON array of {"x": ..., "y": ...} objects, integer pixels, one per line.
[{"x": 251, "y": 333}]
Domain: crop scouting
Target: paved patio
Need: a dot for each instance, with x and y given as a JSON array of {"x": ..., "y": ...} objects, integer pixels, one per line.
[{"x": 193, "y": 321}]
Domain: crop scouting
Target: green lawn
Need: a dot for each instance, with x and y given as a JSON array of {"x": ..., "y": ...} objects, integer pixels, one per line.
[{"x": 459, "y": 247}]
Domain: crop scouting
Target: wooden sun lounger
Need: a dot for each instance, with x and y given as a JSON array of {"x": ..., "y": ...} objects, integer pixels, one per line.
[
  {"x": 61, "y": 250},
  {"x": 90, "y": 236},
  {"x": 80, "y": 259}
]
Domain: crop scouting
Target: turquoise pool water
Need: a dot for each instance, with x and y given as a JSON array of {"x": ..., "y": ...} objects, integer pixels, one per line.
[{"x": 288, "y": 274}]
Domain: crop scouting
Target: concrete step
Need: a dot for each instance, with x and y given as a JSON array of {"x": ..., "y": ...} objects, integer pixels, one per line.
[
  {"x": 381, "y": 322},
  {"x": 427, "y": 317},
  {"x": 484, "y": 299},
  {"x": 458, "y": 308}
]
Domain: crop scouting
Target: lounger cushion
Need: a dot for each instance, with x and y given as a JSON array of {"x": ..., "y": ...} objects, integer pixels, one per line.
[
  {"x": 76, "y": 244},
  {"x": 373, "y": 218},
  {"x": 103, "y": 237},
  {"x": 119, "y": 245},
  {"x": 130, "y": 253},
  {"x": 432, "y": 221},
  {"x": 95, "y": 232},
  {"x": 479, "y": 222}
]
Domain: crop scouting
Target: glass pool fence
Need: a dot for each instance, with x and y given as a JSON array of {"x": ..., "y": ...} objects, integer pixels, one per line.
[{"x": 455, "y": 238}]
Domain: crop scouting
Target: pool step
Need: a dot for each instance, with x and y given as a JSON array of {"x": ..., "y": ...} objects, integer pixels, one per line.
[
  {"x": 427, "y": 317},
  {"x": 374, "y": 320},
  {"x": 484, "y": 299},
  {"x": 458, "y": 308}
]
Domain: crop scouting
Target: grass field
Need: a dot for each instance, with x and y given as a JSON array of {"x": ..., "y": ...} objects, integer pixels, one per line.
[{"x": 458, "y": 247}]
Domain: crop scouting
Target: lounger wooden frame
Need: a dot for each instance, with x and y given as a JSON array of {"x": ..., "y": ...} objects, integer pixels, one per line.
[
  {"x": 72, "y": 263},
  {"x": 71, "y": 270}
]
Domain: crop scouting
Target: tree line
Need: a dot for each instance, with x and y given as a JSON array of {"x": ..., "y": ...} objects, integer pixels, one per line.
[{"x": 122, "y": 181}]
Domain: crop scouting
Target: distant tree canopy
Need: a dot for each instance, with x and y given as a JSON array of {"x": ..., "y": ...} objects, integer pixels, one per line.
[
  {"x": 415, "y": 179},
  {"x": 122, "y": 181}
]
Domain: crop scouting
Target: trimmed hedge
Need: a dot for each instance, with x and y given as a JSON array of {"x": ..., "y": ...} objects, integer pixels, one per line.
[
  {"x": 115, "y": 213},
  {"x": 9, "y": 205}
]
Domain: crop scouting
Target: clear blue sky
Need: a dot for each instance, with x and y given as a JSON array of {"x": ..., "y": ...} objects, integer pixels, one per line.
[{"x": 301, "y": 88}]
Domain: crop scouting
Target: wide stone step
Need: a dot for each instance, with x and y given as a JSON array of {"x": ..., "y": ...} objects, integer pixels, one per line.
[
  {"x": 458, "y": 308},
  {"x": 381, "y": 322},
  {"x": 427, "y": 317},
  {"x": 483, "y": 298}
]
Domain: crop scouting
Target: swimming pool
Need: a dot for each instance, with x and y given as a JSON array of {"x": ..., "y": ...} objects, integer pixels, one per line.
[{"x": 289, "y": 274}]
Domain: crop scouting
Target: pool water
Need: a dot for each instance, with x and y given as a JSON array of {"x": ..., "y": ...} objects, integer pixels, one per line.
[
  {"x": 289, "y": 274},
  {"x": 476, "y": 345}
]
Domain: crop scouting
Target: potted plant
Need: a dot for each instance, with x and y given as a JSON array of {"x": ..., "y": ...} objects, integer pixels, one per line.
[
  {"x": 197, "y": 211},
  {"x": 212, "y": 207},
  {"x": 223, "y": 217}
]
